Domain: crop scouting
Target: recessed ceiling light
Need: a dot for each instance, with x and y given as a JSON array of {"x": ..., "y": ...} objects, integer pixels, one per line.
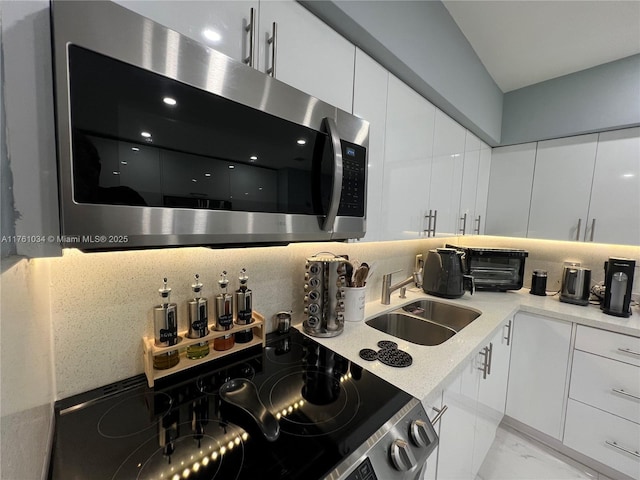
[
  {"x": 169, "y": 101},
  {"x": 207, "y": 174},
  {"x": 135, "y": 149},
  {"x": 194, "y": 180},
  {"x": 115, "y": 172},
  {"x": 253, "y": 158},
  {"x": 145, "y": 134},
  {"x": 301, "y": 141},
  {"x": 232, "y": 166},
  {"x": 123, "y": 162}
]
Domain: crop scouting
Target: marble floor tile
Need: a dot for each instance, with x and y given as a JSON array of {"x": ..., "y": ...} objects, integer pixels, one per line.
[{"x": 515, "y": 457}]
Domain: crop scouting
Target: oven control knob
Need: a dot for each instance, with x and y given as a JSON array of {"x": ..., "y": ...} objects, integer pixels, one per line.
[
  {"x": 420, "y": 433},
  {"x": 402, "y": 456}
]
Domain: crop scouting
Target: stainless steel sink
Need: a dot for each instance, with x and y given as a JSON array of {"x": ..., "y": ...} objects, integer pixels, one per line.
[
  {"x": 445, "y": 314},
  {"x": 425, "y": 322},
  {"x": 411, "y": 328}
]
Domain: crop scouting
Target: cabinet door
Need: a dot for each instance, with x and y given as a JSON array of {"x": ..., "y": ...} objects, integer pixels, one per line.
[
  {"x": 370, "y": 103},
  {"x": 562, "y": 187},
  {"x": 457, "y": 427},
  {"x": 432, "y": 404},
  {"x": 615, "y": 201},
  {"x": 470, "y": 171},
  {"x": 538, "y": 372},
  {"x": 510, "y": 184},
  {"x": 446, "y": 173},
  {"x": 309, "y": 54},
  {"x": 482, "y": 190},
  {"x": 492, "y": 394},
  {"x": 407, "y": 162},
  {"x": 222, "y": 25}
]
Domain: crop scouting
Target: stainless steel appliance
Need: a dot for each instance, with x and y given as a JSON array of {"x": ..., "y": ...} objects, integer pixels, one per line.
[
  {"x": 495, "y": 269},
  {"x": 539, "y": 283},
  {"x": 163, "y": 141},
  {"x": 576, "y": 285},
  {"x": 316, "y": 415},
  {"x": 618, "y": 283},
  {"x": 324, "y": 290},
  {"x": 443, "y": 274}
]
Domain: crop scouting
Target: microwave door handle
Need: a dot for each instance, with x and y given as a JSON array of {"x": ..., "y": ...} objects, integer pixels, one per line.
[{"x": 336, "y": 189}]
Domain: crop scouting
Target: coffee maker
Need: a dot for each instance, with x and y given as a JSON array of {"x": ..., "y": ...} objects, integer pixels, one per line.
[{"x": 618, "y": 281}]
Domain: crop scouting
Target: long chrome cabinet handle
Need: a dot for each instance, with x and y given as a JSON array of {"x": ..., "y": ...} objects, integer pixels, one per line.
[
  {"x": 490, "y": 358},
  {"x": 626, "y": 394},
  {"x": 251, "y": 30},
  {"x": 578, "y": 230},
  {"x": 629, "y": 351},
  {"x": 332, "y": 212},
  {"x": 477, "y": 230},
  {"x": 435, "y": 219},
  {"x": 593, "y": 229},
  {"x": 615, "y": 445},
  {"x": 463, "y": 230},
  {"x": 439, "y": 412},
  {"x": 508, "y": 337},
  {"x": 485, "y": 363},
  {"x": 273, "y": 41}
]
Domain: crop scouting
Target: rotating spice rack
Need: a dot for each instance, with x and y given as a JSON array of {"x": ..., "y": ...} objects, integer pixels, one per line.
[{"x": 150, "y": 350}]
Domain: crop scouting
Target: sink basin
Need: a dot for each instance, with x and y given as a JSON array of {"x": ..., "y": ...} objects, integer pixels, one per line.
[
  {"x": 451, "y": 316},
  {"x": 425, "y": 322},
  {"x": 411, "y": 328}
]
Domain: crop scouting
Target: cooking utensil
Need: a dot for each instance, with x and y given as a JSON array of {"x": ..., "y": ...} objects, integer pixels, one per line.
[{"x": 360, "y": 275}]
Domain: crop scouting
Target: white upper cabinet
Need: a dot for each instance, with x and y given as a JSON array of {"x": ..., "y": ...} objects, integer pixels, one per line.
[
  {"x": 370, "y": 102},
  {"x": 615, "y": 197},
  {"x": 561, "y": 187},
  {"x": 482, "y": 189},
  {"x": 475, "y": 185},
  {"x": 407, "y": 162},
  {"x": 446, "y": 174},
  {"x": 510, "y": 185},
  {"x": 309, "y": 55},
  {"x": 222, "y": 25}
]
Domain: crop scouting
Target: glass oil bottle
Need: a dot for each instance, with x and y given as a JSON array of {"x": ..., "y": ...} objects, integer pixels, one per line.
[
  {"x": 198, "y": 321},
  {"x": 165, "y": 329},
  {"x": 242, "y": 310},
  {"x": 224, "y": 315}
]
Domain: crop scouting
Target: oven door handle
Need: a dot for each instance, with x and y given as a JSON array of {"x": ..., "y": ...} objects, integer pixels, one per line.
[{"x": 336, "y": 189}]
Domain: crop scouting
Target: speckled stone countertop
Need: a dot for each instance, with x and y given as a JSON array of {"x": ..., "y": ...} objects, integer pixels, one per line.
[{"x": 434, "y": 365}]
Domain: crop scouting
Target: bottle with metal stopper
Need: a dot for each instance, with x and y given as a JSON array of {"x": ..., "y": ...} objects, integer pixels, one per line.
[
  {"x": 198, "y": 321},
  {"x": 165, "y": 329},
  {"x": 224, "y": 315},
  {"x": 242, "y": 310}
]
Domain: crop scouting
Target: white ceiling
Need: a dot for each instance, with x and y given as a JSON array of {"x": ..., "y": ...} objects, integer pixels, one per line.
[{"x": 522, "y": 42}]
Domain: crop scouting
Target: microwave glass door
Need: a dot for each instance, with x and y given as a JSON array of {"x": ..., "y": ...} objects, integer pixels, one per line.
[{"x": 139, "y": 138}]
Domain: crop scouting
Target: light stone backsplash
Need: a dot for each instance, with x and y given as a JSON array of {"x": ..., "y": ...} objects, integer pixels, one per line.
[{"x": 101, "y": 303}]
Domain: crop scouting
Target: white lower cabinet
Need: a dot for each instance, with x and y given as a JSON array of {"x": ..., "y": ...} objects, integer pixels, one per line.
[
  {"x": 604, "y": 437},
  {"x": 475, "y": 402},
  {"x": 603, "y": 410},
  {"x": 538, "y": 372},
  {"x": 433, "y": 406}
]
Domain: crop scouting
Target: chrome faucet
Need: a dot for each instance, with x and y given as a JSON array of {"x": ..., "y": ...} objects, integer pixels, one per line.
[{"x": 388, "y": 289}]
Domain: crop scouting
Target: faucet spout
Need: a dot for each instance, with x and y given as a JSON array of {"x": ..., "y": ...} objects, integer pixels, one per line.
[{"x": 388, "y": 289}]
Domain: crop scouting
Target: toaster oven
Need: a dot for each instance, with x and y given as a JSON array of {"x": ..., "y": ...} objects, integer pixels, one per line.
[{"x": 494, "y": 269}]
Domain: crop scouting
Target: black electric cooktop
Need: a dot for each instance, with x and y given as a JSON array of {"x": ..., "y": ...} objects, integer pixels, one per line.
[{"x": 326, "y": 407}]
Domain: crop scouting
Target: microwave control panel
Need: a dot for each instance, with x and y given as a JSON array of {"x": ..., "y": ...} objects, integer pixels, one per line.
[{"x": 354, "y": 167}]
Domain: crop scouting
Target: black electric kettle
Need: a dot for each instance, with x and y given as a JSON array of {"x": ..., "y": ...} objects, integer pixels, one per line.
[{"x": 443, "y": 274}]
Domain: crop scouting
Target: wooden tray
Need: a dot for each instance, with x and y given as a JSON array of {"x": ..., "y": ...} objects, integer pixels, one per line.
[{"x": 149, "y": 349}]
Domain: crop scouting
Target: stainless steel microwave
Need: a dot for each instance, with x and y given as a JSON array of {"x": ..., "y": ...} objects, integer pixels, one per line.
[{"x": 163, "y": 141}]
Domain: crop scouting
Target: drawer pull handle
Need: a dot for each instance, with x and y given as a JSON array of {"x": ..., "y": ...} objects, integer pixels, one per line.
[
  {"x": 440, "y": 412},
  {"x": 626, "y": 394},
  {"x": 615, "y": 445},
  {"x": 629, "y": 351}
]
